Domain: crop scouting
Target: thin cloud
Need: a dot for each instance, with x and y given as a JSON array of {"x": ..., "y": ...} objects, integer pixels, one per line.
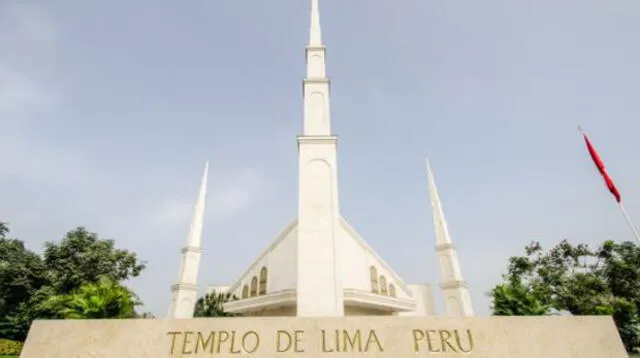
[
  {"x": 228, "y": 196},
  {"x": 18, "y": 94},
  {"x": 235, "y": 193},
  {"x": 25, "y": 26},
  {"x": 22, "y": 154},
  {"x": 25, "y": 30},
  {"x": 171, "y": 212}
]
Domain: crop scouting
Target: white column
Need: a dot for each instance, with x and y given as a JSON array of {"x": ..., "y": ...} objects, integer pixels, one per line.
[{"x": 319, "y": 291}]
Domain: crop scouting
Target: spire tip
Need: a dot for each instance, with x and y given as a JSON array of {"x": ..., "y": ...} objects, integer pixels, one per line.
[
  {"x": 428, "y": 165},
  {"x": 315, "y": 34}
]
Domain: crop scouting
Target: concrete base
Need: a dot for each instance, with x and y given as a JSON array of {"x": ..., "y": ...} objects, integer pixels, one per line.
[{"x": 487, "y": 337}]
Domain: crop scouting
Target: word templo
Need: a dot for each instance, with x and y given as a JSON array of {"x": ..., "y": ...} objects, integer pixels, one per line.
[{"x": 434, "y": 341}]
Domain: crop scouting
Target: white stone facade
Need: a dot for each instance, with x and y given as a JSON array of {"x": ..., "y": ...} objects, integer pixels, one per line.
[{"x": 319, "y": 266}]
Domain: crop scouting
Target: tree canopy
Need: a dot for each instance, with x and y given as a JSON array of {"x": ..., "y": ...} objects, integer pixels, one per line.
[
  {"x": 575, "y": 279},
  {"x": 4, "y": 230},
  {"x": 103, "y": 299},
  {"x": 78, "y": 267},
  {"x": 81, "y": 257},
  {"x": 211, "y": 305},
  {"x": 22, "y": 273}
]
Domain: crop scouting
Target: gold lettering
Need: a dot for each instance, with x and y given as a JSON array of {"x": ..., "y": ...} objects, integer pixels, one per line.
[
  {"x": 233, "y": 343},
  {"x": 279, "y": 347},
  {"x": 445, "y": 336},
  {"x": 223, "y": 336},
  {"x": 297, "y": 334},
  {"x": 333, "y": 341},
  {"x": 418, "y": 336},
  {"x": 469, "y": 340},
  {"x": 430, "y": 343},
  {"x": 373, "y": 338},
  {"x": 201, "y": 342},
  {"x": 256, "y": 342},
  {"x": 351, "y": 341},
  {"x": 173, "y": 335},
  {"x": 292, "y": 340},
  {"x": 446, "y": 341},
  {"x": 345, "y": 341},
  {"x": 185, "y": 342},
  {"x": 324, "y": 342}
]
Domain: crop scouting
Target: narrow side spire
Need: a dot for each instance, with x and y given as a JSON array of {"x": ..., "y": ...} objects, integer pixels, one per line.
[
  {"x": 452, "y": 286},
  {"x": 440, "y": 224},
  {"x": 195, "y": 230},
  {"x": 184, "y": 293},
  {"x": 315, "y": 33}
]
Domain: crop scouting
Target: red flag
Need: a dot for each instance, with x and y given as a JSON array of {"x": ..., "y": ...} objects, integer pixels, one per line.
[{"x": 600, "y": 165}]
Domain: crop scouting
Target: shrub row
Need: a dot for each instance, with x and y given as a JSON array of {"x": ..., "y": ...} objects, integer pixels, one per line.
[{"x": 10, "y": 348}]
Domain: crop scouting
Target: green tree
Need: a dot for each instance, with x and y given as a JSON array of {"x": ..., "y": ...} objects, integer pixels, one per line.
[
  {"x": 210, "y": 305},
  {"x": 514, "y": 299},
  {"x": 22, "y": 277},
  {"x": 15, "y": 325},
  {"x": 4, "y": 230},
  {"x": 145, "y": 315},
  {"x": 578, "y": 280},
  {"x": 22, "y": 273},
  {"x": 82, "y": 257},
  {"x": 104, "y": 299},
  {"x": 27, "y": 281}
]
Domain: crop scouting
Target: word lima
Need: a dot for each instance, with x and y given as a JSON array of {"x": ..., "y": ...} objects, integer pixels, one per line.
[{"x": 331, "y": 341}]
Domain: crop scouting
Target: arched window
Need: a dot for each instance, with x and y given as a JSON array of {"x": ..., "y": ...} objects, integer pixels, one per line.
[
  {"x": 392, "y": 290},
  {"x": 254, "y": 286},
  {"x": 263, "y": 281},
  {"x": 374, "y": 279},
  {"x": 245, "y": 291},
  {"x": 383, "y": 285}
]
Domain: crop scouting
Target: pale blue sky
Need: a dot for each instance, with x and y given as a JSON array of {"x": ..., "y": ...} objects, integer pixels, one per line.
[{"x": 109, "y": 109}]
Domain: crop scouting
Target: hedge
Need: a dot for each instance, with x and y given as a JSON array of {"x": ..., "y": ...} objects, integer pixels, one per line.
[{"x": 10, "y": 348}]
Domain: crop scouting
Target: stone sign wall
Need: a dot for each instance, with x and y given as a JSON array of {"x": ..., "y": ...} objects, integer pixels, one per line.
[{"x": 393, "y": 337}]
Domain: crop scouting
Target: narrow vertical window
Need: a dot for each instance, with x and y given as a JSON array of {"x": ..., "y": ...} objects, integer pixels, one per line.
[
  {"x": 263, "y": 282},
  {"x": 245, "y": 291},
  {"x": 374, "y": 279},
  {"x": 383, "y": 285},
  {"x": 254, "y": 286},
  {"x": 392, "y": 290}
]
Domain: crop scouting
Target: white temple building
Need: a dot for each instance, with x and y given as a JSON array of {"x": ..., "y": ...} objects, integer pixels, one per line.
[{"x": 319, "y": 266}]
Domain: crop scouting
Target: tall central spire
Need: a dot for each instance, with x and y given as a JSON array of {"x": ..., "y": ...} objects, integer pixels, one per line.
[
  {"x": 319, "y": 290},
  {"x": 317, "y": 120}
]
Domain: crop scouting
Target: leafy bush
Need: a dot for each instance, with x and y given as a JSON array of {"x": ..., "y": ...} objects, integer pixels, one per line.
[{"x": 10, "y": 348}]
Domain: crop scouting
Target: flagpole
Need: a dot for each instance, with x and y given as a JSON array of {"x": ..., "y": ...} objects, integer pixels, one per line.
[
  {"x": 628, "y": 219},
  {"x": 610, "y": 184}
]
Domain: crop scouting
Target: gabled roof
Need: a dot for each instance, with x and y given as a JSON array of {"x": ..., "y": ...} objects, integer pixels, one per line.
[
  {"x": 373, "y": 254},
  {"x": 355, "y": 259},
  {"x": 259, "y": 261}
]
